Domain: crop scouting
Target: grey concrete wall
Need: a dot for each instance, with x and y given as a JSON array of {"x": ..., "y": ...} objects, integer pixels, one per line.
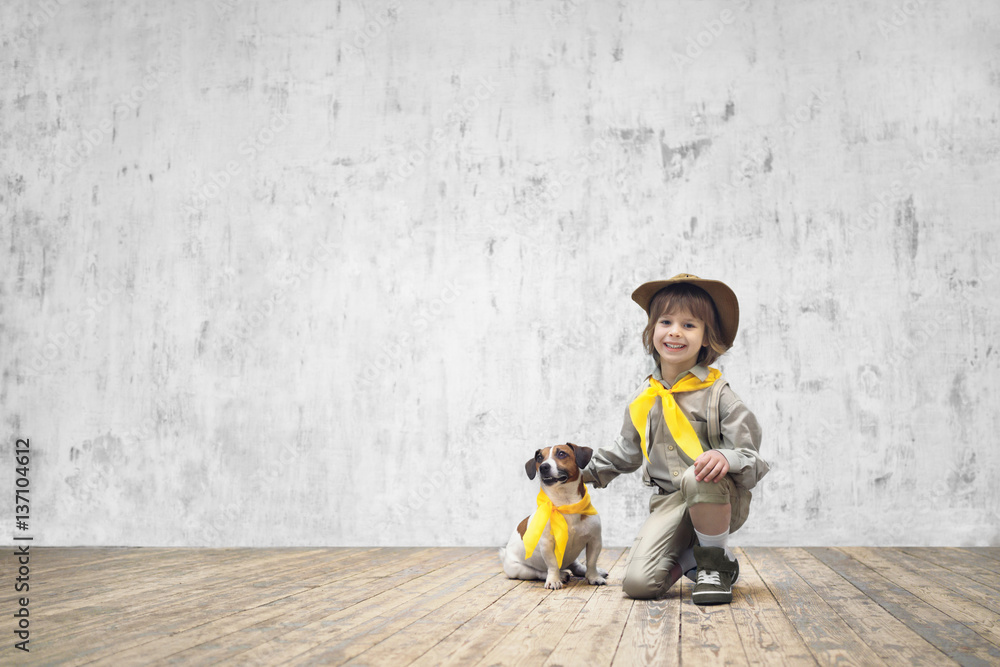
[{"x": 328, "y": 273}]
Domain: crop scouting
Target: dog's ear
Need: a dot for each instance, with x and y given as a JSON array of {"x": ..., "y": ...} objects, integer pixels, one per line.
[
  {"x": 583, "y": 455},
  {"x": 531, "y": 467}
]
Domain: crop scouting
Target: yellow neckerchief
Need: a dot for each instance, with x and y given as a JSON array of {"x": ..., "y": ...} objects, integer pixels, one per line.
[
  {"x": 677, "y": 422},
  {"x": 548, "y": 513}
]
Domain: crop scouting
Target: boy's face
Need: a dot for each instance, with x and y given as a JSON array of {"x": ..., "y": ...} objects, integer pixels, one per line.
[{"x": 678, "y": 338}]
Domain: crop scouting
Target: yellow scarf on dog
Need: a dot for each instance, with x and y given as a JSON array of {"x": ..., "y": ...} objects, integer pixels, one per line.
[
  {"x": 548, "y": 513},
  {"x": 680, "y": 427}
]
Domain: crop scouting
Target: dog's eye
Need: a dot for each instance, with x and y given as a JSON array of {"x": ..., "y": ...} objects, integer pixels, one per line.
[{"x": 561, "y": 454}]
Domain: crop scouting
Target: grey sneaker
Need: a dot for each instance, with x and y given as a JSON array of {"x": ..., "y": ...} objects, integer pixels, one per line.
[{"x": 716, "y": 576}]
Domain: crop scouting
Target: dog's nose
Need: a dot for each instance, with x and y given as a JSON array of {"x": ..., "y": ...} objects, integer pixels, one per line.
[{"x": 545, "y": 468}]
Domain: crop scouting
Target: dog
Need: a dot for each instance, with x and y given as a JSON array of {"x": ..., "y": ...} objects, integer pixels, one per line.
[{"x": 559, "y": 469}]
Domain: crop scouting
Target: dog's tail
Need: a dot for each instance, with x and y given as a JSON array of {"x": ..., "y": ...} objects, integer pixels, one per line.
[{"x": 502, "y": 551}]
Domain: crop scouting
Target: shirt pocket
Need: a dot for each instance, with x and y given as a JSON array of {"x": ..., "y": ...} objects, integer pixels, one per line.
[
  {"x": 701, "y": 429},
  {"x": 664, "y": 454}
]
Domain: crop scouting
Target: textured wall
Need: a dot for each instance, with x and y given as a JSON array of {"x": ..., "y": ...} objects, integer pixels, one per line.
[{"x": 329, "y": 272}]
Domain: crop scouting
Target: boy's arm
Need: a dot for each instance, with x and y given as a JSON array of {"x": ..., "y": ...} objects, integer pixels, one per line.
[
  {"x": 622, "y": 457},
  {"x": 741, "y": 440}
]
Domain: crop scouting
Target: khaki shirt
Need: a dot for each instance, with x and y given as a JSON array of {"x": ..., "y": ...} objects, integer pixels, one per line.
[{"x": 740, "y": 440}]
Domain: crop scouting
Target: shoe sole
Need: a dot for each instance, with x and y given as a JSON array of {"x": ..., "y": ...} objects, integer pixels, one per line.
[{"x": 712, "y": 598}]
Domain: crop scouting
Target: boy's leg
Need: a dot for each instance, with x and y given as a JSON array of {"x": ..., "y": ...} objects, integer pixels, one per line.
[
  {"x": 711, "y": 520},
  {"x": 713, "y": 506},
  {"x": 652, "y": 568},
  {"x": 710, "y": 508}
]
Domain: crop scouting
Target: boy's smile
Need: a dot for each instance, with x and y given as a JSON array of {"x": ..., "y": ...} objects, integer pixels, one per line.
[{"x": 678, "y": 338}]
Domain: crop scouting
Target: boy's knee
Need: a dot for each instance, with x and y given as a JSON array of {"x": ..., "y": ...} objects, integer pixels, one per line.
[
  {"x": 644, "y": 579},
  {"x": 640, "y": 587},
  {"x": 688, "y": 481},
  {"x": 691, "y": 487},
  {"x": 694, "y": 491}
]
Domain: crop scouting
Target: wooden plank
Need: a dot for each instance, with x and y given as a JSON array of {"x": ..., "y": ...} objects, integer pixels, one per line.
[
  {"x": 201, "y": 572},
  {"x": 708, "y": 634},
  {"x": 148, "y": 605},
  {"x": 983, "y": 559},
  {"x": 651, "y": 635},
  {"x": 410, "y": 642},
  {"x": 992, "y": 553},
  {"x": 535, "y": 637},
  {"x": 124, "y": 603},
  {"x": 171, "y": 628},
  {"x": 960, "y": 562},
  {"x": 97, "y": 571},
  {"x": 336, "y": 637},
  {"x": 416, "y": 639},
  {"x": 767, "y": 635},
  {"x": 64, "y": 575},
  {"x": 951, "y": 637},
  {"x": 455, "y": 582},
  {"x": 888, "y": 636},
  {"x": 131, "y": 628},
  {"x": 830, "y": 640},
  {"x": 934, "y": 585},
  {"x": 76, "y": 593},
  {"x": 953, "y": 581},
  {"x": 227, "y": 635},
  {"x": 593, "y": 636},
  {"x": 59, "y": 557},
  {"x": 97, "y": 559},
  {"x": 483, "y": 632},
  {"x": 438, "y": 606}
]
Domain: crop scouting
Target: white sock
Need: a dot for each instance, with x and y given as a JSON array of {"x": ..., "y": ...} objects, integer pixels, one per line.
[{"x": 720, "y": 540}]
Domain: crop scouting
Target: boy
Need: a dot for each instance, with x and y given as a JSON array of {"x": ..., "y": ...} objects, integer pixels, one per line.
[{"x": 694, "y": 437}]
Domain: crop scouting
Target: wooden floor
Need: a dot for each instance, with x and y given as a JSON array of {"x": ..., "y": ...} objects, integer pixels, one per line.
[{"x": 866, "y": 606}]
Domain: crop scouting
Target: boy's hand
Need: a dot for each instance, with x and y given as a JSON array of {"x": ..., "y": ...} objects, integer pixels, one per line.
[{"x": 711, "y": 466}]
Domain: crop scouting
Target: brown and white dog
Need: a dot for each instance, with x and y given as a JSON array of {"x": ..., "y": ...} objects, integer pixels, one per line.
[{"x": 559, "y": 469}]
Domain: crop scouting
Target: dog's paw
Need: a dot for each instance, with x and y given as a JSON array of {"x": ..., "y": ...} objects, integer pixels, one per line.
[
  {"x": 554, "y": 583},
  {"x": 602, "y": 572},
  {"x": 598, "y": 581}
]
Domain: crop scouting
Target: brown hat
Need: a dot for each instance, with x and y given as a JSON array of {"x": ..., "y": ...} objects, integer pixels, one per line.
[{"x": 724, "y": 298}]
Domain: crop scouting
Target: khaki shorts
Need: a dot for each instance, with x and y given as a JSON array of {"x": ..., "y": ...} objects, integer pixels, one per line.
[{"x": 668, "y": 532}]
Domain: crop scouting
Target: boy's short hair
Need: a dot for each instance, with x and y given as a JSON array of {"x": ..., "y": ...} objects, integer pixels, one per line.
[{"x": 695, "y": 300}]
